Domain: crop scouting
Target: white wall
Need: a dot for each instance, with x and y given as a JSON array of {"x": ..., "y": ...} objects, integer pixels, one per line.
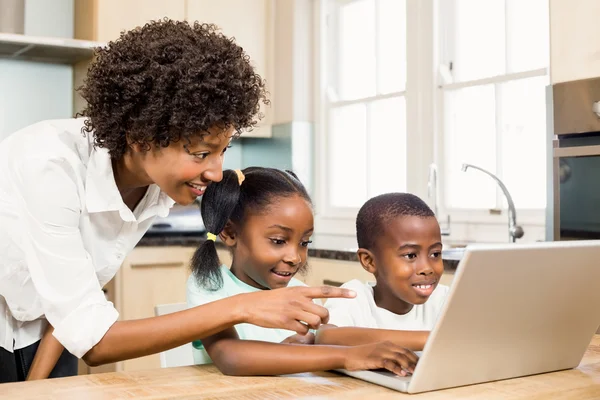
[
  {"x": 574, "y": 40},
  {"x": 31, "y": 92},
  {"x": 293, "y": 100}
]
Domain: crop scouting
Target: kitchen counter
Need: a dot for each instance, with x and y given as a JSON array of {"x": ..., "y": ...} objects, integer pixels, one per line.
[
  {"x": 450, "y": 262},
  {"x": 207, "y": 382},
  {"x": 172, "y": 240},
  {"x": 193, "y": 241}
]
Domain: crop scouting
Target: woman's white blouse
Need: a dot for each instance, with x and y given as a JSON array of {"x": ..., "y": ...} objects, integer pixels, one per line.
[{"x": 64, "y": 232}]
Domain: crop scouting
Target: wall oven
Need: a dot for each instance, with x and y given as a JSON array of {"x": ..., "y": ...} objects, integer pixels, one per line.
[{"x": 574, "y": 190}]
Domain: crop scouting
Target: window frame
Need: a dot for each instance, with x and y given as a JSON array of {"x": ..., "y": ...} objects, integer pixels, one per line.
[
  {"x": 424, "y": 134},
  {"x": 329, "y": 219},
  {"x": 443, "y": 50}
]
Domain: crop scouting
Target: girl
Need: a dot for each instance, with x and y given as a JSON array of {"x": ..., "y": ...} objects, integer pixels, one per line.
[
  {"x": 264, "y": 216},
  {"x": 163, "y": 103}
]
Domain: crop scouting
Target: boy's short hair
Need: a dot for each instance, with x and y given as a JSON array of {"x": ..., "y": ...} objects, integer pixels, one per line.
[
  {"x": 373, "y": 215},
  {"x": 167, "y": 81}
]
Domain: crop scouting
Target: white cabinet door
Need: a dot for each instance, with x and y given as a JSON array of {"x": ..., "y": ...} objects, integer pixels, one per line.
[
  {"x": 251, "y": 22},
  {"x": 148, "y": 277},
  {"x": 114, "y": 16},
  {"x": 574, "y": 40}
]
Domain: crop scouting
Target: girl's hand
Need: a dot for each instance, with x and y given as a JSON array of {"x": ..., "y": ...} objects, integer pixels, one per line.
[
  {"x": 386, "y": 355},
  {"x": 290, "y": 308}
]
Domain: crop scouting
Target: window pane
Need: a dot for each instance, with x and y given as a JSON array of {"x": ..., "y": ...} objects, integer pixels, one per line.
[
  {"x": 387, "y": 146},
  {"x": 347, "y": 162},
  {"x": 356, "y": 49},
  {"x": 470, "y": 137},
  {"x": 527, "y": 34},
  {"x": 480, "y": 39},
  {"x": 391, "y": 62},
  {"x": 523, "y": 113}
]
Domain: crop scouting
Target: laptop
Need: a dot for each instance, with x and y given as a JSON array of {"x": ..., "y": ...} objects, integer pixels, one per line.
[{"x": 512, "y": 310}]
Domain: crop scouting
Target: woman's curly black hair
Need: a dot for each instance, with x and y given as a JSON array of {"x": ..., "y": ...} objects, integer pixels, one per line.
[{"x": 167, "y": 81}]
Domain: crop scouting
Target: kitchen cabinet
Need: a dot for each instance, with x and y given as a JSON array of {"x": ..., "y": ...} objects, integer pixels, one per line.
[
  {"x": 324, "y": 271},
  {"x": 149, "y": 276},
  {"x": 336, "y": 272},
  {"x": 252, "y": 24},
  {"x": 104, "y": 20},
  {"x": 574, "y": 40}
]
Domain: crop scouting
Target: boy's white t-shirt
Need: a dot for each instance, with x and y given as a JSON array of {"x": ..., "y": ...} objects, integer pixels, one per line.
[
  {"x": 198, "y": 295},
  {"x": 362, "y": 311}
]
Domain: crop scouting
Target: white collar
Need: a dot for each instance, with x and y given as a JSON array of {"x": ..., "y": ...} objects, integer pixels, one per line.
[{"x": 103, "y": 195}]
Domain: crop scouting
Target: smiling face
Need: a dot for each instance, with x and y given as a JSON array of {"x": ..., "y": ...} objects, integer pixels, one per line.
[
  {"x": 183, "y": 170},
  {"x": 406, "y": 261},
  {"x": 271, "y": 246}
]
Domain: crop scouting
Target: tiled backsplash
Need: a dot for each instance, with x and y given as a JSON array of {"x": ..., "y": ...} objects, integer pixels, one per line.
[
  {"x": 290, "y": 147},
  {"x": 31, "y": 92}
]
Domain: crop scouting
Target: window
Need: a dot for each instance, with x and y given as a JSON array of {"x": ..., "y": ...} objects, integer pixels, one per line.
[
  {"x": 363, "y": 113},
  {"x": 493, "y": 76},
  {"x": 404, "y": 83}
]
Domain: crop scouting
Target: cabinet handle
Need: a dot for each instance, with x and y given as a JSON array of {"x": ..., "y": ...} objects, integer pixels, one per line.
[
  {"x": 577, "y": 151},
  {"x": 329, "y": 282},
  {"x": 157, "y": 264}
]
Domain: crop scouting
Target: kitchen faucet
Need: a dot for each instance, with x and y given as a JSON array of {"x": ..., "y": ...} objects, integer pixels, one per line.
[{"x": 514, "y": 231}]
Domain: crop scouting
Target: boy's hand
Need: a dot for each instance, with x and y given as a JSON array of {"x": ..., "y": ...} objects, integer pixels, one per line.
[
  {"x": 309, "y": 338},
  {"x": 387, "y": 355}
]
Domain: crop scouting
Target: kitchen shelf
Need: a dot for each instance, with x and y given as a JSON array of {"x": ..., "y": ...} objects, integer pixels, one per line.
[{"x": 45, "y": 49}]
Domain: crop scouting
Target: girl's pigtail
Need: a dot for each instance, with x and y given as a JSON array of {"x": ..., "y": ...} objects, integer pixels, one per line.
[{"x": 218, "y": 203}]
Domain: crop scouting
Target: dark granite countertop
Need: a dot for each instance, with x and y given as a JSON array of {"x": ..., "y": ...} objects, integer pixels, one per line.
[
  {"x": 171, "y": 240},
  {"x": 450, "y": 262},
  {"x": 193, "y": 241}
]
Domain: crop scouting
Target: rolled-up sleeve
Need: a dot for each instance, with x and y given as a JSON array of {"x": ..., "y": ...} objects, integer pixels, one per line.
[{"x": 61, "y": 269}]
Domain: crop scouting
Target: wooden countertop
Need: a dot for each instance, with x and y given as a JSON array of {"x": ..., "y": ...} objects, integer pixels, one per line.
[{"x": 207, "y": 382}]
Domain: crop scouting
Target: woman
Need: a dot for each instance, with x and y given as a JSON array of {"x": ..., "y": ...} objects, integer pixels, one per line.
[{"x": 163, "y": 103}]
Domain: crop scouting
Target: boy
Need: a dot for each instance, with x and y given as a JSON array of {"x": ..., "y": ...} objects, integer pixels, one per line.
[{"x": 400, "y": 243}]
